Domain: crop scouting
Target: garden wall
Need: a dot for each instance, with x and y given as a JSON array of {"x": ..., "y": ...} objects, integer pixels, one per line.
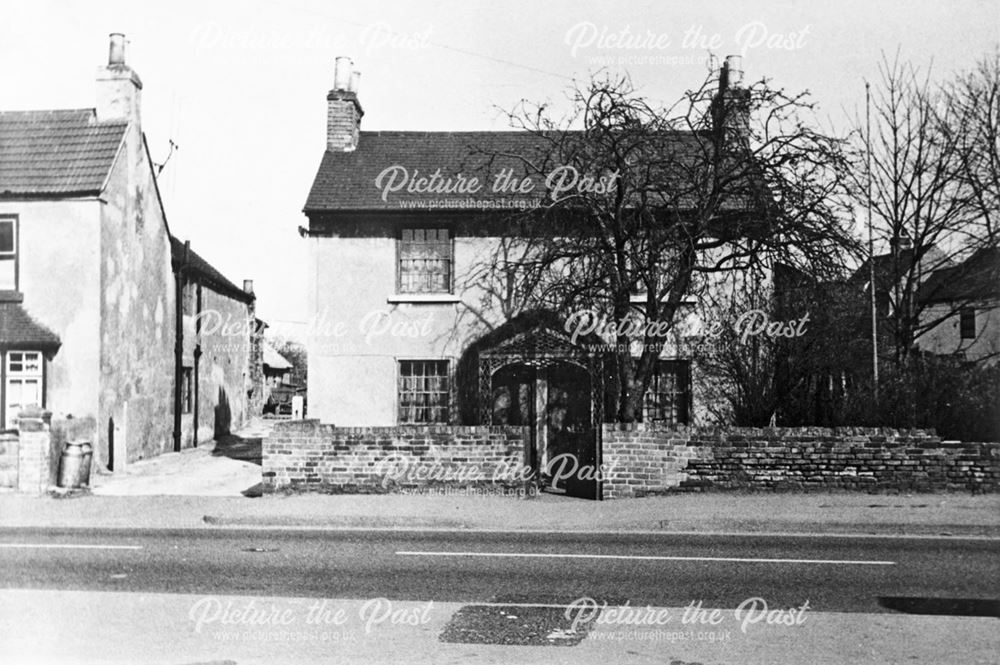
[
  {"x": 308, "y": 455},
  {"x": 645, "y": 460},
  {"x": 638, "y": 460}
]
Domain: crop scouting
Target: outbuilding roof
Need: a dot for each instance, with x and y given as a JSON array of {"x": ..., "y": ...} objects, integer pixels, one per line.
[
  {"x": 273, "y": 359},
  {"x": 18, "y": 330},
  {"x": 195, "y": 265}
]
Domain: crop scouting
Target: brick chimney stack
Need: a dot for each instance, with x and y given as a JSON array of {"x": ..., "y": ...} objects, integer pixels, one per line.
[
  {"x": 344, "y": 112},
  {"x": 119, "y": 89},
  {"x": 731, "y": 106}
]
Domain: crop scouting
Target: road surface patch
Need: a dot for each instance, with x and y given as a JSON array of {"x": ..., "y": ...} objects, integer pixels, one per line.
[{"x": 962, "y": 607}]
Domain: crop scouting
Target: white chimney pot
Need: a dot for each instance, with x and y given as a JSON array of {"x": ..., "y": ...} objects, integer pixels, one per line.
[
  {"x": 116, "y": 50},
  {"x": 735, "y": 65},
  {"x": 342, "y": 68}
]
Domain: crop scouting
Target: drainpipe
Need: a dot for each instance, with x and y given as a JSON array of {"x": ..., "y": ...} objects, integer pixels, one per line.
[
  {"x": 197, "y": 355},
  {"x": 179, "y": 344}
]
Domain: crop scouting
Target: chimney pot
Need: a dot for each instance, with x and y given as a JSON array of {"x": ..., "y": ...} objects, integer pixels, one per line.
[
  {"x": 342, "y": 68},
  {"x": 355, "y": 80},
  {"x": 734, "y": 64},
  {"x": 116, "y": 50},
  {"x": 248, "y": 286}
]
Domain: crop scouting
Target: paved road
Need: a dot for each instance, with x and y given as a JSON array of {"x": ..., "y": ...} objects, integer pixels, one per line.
[
  {"x": 263, "y": 596},
  {"x": 832, "y": 573}
]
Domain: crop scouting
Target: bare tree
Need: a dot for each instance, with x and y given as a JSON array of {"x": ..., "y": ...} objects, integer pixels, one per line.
[
  {"x": 974, "y": 105},
  {"x": 933, "y": 197},
  {"x": 643, "y": 205}
]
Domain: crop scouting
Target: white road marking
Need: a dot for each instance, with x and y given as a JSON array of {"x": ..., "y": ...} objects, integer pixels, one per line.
[
  {"x": 637, "y": 557},
  {"x": 558, "y": 606},
  {"x": 66, "y": 546}
]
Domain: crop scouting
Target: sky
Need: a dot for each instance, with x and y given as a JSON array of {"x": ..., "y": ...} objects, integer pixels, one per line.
[{"x": 241, "y": 87}]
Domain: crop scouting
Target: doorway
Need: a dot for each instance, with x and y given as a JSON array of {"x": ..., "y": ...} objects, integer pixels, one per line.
[{"x": 553, "y": 399}]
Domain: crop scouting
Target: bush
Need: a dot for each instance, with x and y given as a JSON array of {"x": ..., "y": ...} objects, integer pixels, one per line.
[{"x": 957, "y": 399}]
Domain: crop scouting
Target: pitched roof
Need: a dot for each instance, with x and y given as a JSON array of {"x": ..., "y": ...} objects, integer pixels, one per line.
[
  {"x": 976, "y": 278},
  {"x": 273, "y": 359},
  {"x": 347, "y": 180},
  {"x": 18, "y": 330},
  {"x": 56, "y": 153},
  {"x": 206, "y": 273},
  {"x": 885, "y": 266},
  {"x": 888, "y": 273}
]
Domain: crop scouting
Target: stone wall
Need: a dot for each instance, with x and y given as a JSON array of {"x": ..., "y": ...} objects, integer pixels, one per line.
[
  {"x": 647, "y": 460},
  {"x": 135, "y": 406},
  {"x": 308, "y": 455},
  {"x": 224, "y": 367}
]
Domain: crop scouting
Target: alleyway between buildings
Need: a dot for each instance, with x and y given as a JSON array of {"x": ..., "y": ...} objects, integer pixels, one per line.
[{"x": 228, "y": 466}]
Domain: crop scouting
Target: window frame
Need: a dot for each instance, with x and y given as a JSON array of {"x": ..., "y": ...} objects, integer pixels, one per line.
[
  {"x": 450, "y": 290},
  {"x": 680, "y": 368},
  {"x": 967, "y": 318},
  {"x": 15, "y": 254},
  {"x": 447, "y": 392},
  {"x": 7, "y": 374}
]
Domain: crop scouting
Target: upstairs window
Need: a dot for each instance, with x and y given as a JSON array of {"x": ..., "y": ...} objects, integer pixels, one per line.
[
  {"x": 425, "y": 261},
  {"x": 967, "y": 323},
  {"x": 8, "y": 253},
  {"x": 424, "y": 391}
]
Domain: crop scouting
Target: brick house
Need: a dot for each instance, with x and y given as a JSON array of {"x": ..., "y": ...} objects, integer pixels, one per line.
[{"x": 88, "y": 295}]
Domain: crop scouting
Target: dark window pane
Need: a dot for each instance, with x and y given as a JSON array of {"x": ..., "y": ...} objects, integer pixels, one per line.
[
  {"x": 967, "y": 323},
  {"x": 666, "y": 399},
  {"x": 6, "y": 236}
]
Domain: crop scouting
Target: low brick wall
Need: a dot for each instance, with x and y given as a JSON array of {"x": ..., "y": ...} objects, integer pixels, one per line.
[
  {"x": 645, "y": 460},
  {"x": 641, "y": 460},
  {"x": 34, "y": 451},
  {"x": 309, "y": 455},
  {"x": 8, "y": 459}
]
